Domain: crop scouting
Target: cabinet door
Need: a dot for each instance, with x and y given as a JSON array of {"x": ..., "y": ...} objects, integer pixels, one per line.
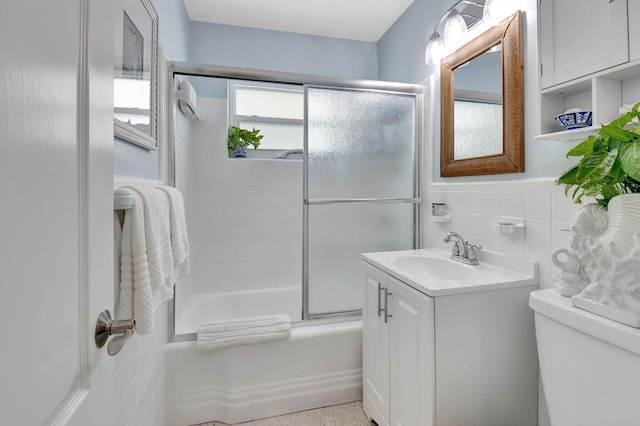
[
  {"x": 375, "y": 348},
  {"x": 412, "y": 356},
  {"x": 634, "y": 29},
  {"x": 580, "y": 37}
]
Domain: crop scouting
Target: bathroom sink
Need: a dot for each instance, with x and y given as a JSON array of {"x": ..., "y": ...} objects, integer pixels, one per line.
[
  {"x": 435, "y": 267},
  {"x": 434, "y": 273}
]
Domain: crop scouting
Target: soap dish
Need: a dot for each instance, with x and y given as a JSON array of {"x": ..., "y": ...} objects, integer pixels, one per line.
[
  {"x": 508, "y": 227},
  {"x": 441, "y": 219}
]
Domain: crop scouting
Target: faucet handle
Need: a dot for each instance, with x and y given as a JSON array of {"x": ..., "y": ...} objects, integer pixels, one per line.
[{"x": 473, "y": 249}]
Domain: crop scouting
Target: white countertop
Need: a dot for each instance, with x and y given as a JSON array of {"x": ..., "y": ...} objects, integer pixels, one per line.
[{"x": 433, "y": 273}]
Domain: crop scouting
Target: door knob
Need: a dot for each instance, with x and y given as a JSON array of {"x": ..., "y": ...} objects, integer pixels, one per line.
[{"x": 105, "y": 327}]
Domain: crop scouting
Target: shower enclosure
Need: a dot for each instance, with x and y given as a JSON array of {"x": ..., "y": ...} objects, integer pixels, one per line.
[{"x": 282, "y": 232}]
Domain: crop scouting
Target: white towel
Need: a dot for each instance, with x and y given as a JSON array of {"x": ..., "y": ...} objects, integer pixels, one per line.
[
  {"x": 136, "y": 299},
  {"x": 154, "y": 252},
  {"x": 242, "y": 331},
  {"x": 157, "y": 235},
  {"x": 178, "y": 229}
]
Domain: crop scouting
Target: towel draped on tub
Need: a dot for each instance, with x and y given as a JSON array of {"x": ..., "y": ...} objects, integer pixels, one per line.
[{"x": 242, "y": 331}]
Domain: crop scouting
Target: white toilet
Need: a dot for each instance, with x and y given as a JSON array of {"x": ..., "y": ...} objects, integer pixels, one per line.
[{"x": 590, "y": 365}]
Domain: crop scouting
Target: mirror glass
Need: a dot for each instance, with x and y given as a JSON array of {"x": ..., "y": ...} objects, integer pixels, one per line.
[
  {"x": 478, "y": 106},
  {"x": 482, "y": 104}
]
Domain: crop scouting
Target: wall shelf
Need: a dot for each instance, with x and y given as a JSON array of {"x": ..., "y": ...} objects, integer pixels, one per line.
[{"x": 569, "y": 135}]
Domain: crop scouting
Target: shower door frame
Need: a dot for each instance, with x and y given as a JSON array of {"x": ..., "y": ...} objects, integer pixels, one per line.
[
  {"x": 307, "y": 202},
  {"x": 305, "y": 80}
]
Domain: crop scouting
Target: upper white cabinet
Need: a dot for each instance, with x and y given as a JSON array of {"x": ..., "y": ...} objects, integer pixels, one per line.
[
  {"x": 580, "y": 37},
  {"x": 589, "y": 59},
  {"x": 633, "y": 8}
]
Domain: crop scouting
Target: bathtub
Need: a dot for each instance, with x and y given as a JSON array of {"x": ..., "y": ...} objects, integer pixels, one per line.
[
  {"x": 200, "y": 308},
  {"x": 318, "y": 365}
]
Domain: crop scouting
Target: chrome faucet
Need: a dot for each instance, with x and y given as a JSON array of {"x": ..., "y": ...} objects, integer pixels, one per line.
[{"x": 469, "y": 251}]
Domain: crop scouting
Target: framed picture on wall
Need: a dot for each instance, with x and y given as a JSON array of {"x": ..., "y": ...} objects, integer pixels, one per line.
[{"x": 135, "y": 74}]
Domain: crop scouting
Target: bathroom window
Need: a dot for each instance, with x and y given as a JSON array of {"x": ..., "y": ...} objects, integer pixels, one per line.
[{"x": 277, "y": 110}]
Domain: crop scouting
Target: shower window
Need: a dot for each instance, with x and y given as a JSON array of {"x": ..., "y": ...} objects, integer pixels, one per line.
[{"x": 276, "y": 109}]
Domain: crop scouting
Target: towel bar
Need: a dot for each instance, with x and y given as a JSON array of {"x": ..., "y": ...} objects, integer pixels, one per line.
[{"x": 122, "y": 201}]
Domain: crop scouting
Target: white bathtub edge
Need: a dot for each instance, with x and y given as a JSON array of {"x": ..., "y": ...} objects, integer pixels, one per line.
[{"x": 317, "y": 366}]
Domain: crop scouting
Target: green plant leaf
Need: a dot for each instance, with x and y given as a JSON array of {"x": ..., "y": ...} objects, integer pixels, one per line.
[
  {"x": 569, "y": 177},
  {"x": 595, "y": 167},
  {"x": 618, "y": 133},
  {"x": 630, "y": 159},
  {"x": 584, "y": 147},
  {"x": 617, "y": 173}
]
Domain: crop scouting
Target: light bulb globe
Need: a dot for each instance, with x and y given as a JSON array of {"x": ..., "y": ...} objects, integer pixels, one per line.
[
  {"x": 455, "y": 29},
  {"x": 434, "y": 50}
]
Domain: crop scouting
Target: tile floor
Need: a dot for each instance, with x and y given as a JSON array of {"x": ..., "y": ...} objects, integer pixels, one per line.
[{"x": 350, "y": 414}]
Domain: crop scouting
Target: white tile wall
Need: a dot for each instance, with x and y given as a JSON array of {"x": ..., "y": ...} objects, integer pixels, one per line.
[
  {"x": 539, "y": 204},
  {"x": 246, "y": 214}
]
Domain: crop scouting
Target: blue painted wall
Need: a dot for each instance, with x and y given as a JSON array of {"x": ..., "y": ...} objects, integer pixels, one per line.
[
  {"x": 401, "y": 58},
  {"x": 174, "y": 29},
  {"x": 228, "y": 45},
  {"x": 401, "y": 48},
  {"x": 131, "y": 160}
]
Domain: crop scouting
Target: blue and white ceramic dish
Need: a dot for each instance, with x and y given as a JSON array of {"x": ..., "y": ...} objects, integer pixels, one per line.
[{"x": 574, "y": 119}]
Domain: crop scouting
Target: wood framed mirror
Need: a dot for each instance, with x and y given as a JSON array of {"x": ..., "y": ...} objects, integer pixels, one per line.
[{"x": 491, "y": 139}]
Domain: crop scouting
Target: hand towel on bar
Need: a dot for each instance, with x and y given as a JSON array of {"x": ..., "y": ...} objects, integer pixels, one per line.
[
  {"x": 179, "y": 238},
  {"x": 242, "y": 331},
  {"x": 136, "y": 298},
  {"x": 157, "y": 236}
]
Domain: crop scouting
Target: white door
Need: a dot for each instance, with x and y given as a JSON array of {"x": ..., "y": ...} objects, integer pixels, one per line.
[
  {"x": 579, "y": 37},
  {"x": 56, "y": 237},
  {"x": 412, "y": 356},
  {"x": 375, "y": 345}
]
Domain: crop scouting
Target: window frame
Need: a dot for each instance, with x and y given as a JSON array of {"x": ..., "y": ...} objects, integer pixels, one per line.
[{"x": 235, "y": 119}]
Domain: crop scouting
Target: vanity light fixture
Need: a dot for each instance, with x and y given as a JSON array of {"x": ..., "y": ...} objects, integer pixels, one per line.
[
  {"x": 455, "y": 29},
  {"x": 455, "y": 23},
  {"x": 494, "y": 11},
  {"x": 434, "y": 50}
]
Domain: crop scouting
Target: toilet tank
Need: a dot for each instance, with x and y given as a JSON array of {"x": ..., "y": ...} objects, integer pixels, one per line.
[{"x": 590, "y": 366}]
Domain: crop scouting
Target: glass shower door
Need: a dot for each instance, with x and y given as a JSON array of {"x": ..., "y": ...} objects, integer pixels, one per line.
[{"x": 360, "y": 189}]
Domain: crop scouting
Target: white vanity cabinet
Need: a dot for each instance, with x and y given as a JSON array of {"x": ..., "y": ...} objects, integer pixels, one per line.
[
  {"x": 464, "y": 355},
  {"x": 397, "y": 351},
  {"x": 580, "y": 37}
]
